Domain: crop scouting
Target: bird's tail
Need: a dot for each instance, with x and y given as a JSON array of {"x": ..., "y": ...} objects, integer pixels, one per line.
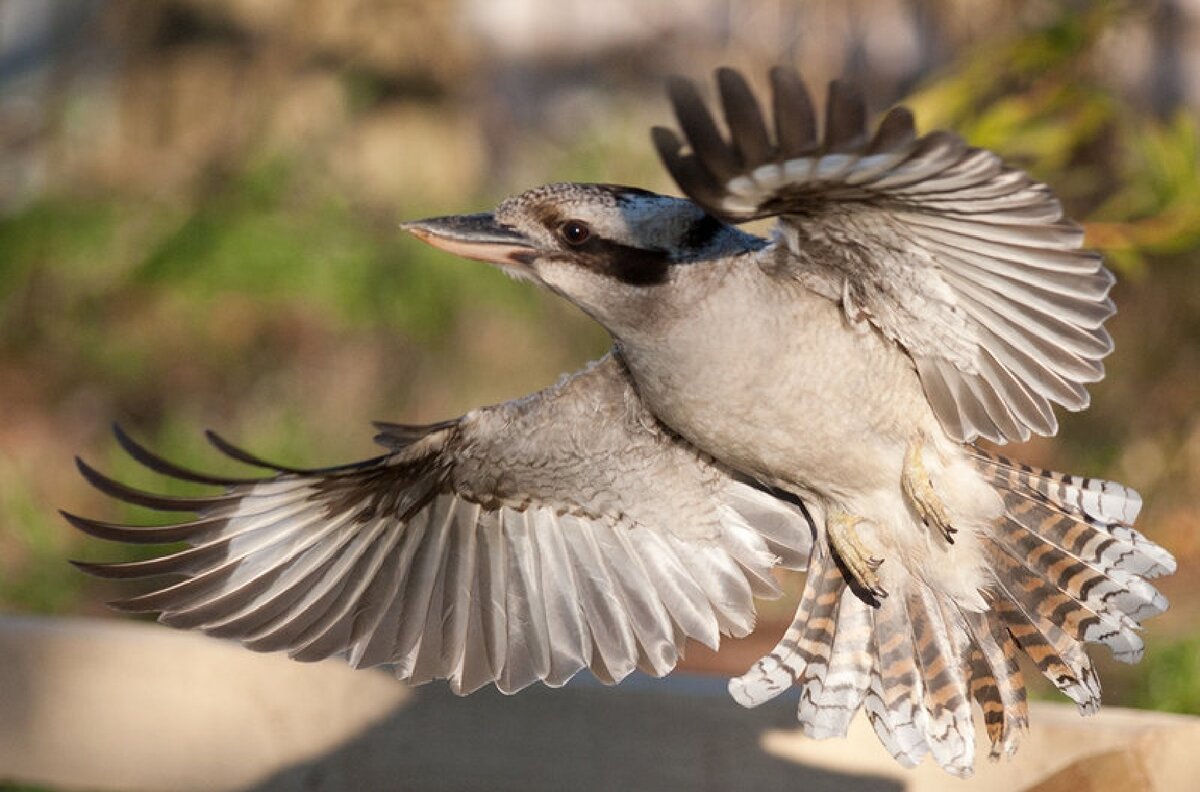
[{"x": 1067, "y": 569}]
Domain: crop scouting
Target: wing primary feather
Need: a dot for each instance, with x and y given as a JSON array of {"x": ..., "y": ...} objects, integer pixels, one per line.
[
  {"x": 569, "y": 640},
  {"x": 458, "y": 589},
  {"x": 845, "y": 118},
  {"x": 693, "y": 178},
  {"x": 795, "y": 119},
  {"x": 150, "y": 534},
  {"x": 298, "y": 554},
  {"x": 528, "y": 656},
  {"x": 1077, "y": 310},
  {"x": 340, "y": 628},
  {"x": 115, "y": 489},
  {"x": 613, "y": 640},
  {"x": 184, "y": 562},
  {"x": 378, "y": 623},
  {"x": 897, "y": 130},
  {"x": 683, "y": 598},
  {"x": 320, "y": 607},
  {"x": 492, "y": 584},
  {"x": 216, "y": 580},
  {"x": 419, "y": 587},
  {"x": 160, "y": 465},
  {"x": 230, "y": 450},
  {"x": 1088, "y": 343},
  {"x": 1046, "y": 268},
  {"x": 1036, "y": 373},
  {"x": 930, "y": 155},
  {"x": 701, "y": 131},
  {"x": 747, "y": 129},
  {"x": 651, "y": 623},
  {"x": 942, "y": 398},
  {"x": 1062, "y": 360}
]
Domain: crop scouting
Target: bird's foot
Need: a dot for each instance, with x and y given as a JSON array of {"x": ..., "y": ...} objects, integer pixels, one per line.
[
  {"x": 919, "y": 489},
  {"x": 856, "y": 558}
]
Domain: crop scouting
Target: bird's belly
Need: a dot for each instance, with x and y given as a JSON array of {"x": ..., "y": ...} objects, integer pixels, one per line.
[{"x": 787, "y": 391}]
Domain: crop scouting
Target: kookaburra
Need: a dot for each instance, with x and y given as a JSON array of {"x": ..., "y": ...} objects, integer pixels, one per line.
[{"x": 808, "y": 400}]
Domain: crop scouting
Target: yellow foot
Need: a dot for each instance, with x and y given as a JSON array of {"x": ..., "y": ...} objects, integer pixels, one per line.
[
  {"x": 919, "y": 489},
  {"x": 859, "y": 561}
]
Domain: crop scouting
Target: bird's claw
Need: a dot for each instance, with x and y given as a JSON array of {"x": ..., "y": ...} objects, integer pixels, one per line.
[
  {"x": 916, "y": 485},
  {"x": 856, "y": 558}
]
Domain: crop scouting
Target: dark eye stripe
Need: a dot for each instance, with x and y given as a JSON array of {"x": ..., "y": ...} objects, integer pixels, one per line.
[
  {"x": 631, "y": 265},
  {"x": 625, "y": 263}
]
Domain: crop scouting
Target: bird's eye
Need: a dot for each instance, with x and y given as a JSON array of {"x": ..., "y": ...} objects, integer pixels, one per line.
[{"x": 575, "y": 232}]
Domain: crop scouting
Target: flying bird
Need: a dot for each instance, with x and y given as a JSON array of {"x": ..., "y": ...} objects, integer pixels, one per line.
[{"x": 810, "y": 400}]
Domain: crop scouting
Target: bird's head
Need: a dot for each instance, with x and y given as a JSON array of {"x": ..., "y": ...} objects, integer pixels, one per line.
[{"x": 606, "y": 248}]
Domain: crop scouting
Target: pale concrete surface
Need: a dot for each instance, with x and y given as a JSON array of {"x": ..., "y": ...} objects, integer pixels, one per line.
[
  {"x": 112, "y": 705},
  {"x": 91, "y": 704},
  {"x": 1157, "y": 751}
]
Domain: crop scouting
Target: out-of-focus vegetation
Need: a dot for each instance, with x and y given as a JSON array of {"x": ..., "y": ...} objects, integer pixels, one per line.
[{"x": 200, "y": 230}]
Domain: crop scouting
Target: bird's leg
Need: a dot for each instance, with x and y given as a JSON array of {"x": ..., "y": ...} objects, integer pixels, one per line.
[
  {"x": 856, "y": 558},
  {"x": 914, "y": 480}
]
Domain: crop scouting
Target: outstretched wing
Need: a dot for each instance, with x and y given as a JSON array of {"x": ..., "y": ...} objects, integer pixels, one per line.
[
  {"x": 521, "y": 542},
  {"x": 964, "y": 261}
]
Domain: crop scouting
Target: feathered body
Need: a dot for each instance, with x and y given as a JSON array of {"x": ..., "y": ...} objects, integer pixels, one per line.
[{"x": 780, "y": 412}]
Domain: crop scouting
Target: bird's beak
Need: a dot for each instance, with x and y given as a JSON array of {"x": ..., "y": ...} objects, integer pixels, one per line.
[{"x": 476, "y": 236}]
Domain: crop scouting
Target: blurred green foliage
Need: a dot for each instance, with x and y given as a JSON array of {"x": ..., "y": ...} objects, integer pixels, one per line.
[
  {"x": 1170, "y": 680},
  {"x": 1039, "y": 100},
  {"x": 209, "y": 305}
]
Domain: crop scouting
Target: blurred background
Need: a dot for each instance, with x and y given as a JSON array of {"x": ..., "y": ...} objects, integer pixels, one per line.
[{"x": 199, "y": 203}]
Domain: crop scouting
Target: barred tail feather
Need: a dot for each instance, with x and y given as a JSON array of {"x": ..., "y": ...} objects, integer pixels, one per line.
[
  {"x": 895, "y": 700},
  {"x": 1102, "y": 514},
  {"x": 997, "y": 683},
  {"x": 829, "y": 703},
  {"x": 942, "y": 645},
  {"x": 902, "y": 658},
  {"x": 1069, "y": 570},
  {"x": 804, "y": 651}
]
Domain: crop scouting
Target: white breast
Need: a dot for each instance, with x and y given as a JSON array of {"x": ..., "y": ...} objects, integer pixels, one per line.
[{"x": 773, "y": 380}]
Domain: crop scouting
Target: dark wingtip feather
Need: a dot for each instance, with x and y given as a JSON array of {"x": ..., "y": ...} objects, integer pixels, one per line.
[
  {"x": 241, "y": 455},
  {"x": 845, "y": 118},
  {"x": 124, "y": 571},
  {"x": 133, "y": 534},
  {"x": 189, "y": 561},
  {"x": 897, "y": 129},
  {"x": 693, "y": 179},
  {"x": 398, "y": 436},
  {"x": 160, "y": 465},
  {"x": 666, "y": 142},
  {"x": 795, "y": 119},
  {"x": 708, "y": 145},
  {"x": 122, "y": 492},
  {"x": 89, "y": 567},
  {"x": 744, "y": 117}
]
